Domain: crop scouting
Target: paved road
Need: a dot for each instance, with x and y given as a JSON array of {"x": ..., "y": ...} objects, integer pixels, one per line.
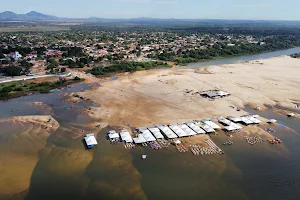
[{"x": 23, "y": 78}]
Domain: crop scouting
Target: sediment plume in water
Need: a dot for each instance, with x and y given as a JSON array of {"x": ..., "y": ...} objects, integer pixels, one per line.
[{"x": 20, "y": 143}]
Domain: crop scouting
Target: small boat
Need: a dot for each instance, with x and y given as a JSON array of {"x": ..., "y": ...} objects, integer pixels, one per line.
[
  {"x": 272, "y": 121},
  {"x": 291, "y": 115},
  {"x": 144, "y": 156}
]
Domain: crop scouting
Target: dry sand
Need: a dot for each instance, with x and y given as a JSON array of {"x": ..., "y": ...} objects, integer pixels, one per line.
[{"x": 158, "y": 95}]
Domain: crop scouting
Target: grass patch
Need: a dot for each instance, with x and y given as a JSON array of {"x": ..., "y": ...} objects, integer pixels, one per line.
[
  {"x": 121, "y": 67},
  {"x": 21, "y": 88}
]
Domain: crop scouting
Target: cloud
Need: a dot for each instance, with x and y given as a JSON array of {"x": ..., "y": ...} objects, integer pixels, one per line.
[{"x": 263, "y": 5}]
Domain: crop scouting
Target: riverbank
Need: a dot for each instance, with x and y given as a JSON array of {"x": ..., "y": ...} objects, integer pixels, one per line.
[
  {"x": 159, "y": 96},
  {"x": 16, "y": 89}
]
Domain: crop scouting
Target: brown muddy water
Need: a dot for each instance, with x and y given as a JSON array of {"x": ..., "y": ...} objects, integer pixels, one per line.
[{"x": 36, "y": 164}]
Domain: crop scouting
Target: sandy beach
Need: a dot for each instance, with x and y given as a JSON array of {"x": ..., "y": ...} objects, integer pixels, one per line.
[{"x": 158, "y": 96}]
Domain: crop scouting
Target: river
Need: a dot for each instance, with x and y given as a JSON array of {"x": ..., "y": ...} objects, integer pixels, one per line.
[
  {"x": 39, "y": 165},
  {"x": 243, "y": 58}
]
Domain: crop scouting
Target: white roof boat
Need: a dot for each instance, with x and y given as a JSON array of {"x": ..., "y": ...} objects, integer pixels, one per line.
[
  {"x": 272, "y": 121},
  {"x": 291, "y": 115}
]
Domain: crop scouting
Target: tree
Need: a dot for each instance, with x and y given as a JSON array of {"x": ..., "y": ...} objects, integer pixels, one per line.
[
  {"x": 62, "y": 70},
  {"x": 13, "y": 71}
]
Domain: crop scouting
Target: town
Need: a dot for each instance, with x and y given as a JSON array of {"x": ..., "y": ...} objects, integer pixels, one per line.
[{"x": 94, "y": 51}]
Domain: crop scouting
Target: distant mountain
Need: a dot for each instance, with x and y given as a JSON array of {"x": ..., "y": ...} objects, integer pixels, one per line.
[
  {"x": 33, "y": 15},
  {"x": 8, "y": 15}
]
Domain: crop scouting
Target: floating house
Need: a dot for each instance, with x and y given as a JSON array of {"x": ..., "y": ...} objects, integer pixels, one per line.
[
  {"x": 179, "y": 132},
  {"x": 113, "y": 135},
  {"x": 235, "y": 119},
  {"x": 230, "y": 126},
  {"x": 195, "y": 128},
  {"x": 167, "y": 132},
  {"x": 139, "y": 139},
  {"x": 253, "y": 119},
  {"x": 156, "y": 132},
  {"x": 126, "y": 137},
  {"x": 90, "y": 140},
  {"x": 224, "y": 121},
  {"x": 187, "y": 129},
  {"x": 246, "y": 121},
  {"x": 212, "y": 124},
  {"x": 148, "y": 136},
  {"x": 205, "y": 127}
]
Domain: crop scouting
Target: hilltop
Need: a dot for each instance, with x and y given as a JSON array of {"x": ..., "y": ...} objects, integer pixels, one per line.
[{"x": 32, "y": 15}]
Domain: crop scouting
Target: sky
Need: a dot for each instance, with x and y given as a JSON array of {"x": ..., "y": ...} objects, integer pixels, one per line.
[{"x": 179, "y": 9}]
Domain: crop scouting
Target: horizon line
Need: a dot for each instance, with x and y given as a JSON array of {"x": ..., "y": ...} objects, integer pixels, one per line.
[{"x": 170, "y": 18}]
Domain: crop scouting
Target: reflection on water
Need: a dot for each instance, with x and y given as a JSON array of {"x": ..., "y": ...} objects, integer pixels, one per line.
[{"x": 56, "y": 165}]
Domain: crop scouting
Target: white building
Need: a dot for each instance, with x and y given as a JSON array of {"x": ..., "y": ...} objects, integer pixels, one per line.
[{"x": 15, "y": 55}]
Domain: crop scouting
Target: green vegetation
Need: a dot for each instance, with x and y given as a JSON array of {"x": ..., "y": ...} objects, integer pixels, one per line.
[
  {"x": 221, "y": 50},
  {"x": 120, "y": 67},
  {"x": 21, "y": 88},
  {"x": 295, "y": 55}
]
